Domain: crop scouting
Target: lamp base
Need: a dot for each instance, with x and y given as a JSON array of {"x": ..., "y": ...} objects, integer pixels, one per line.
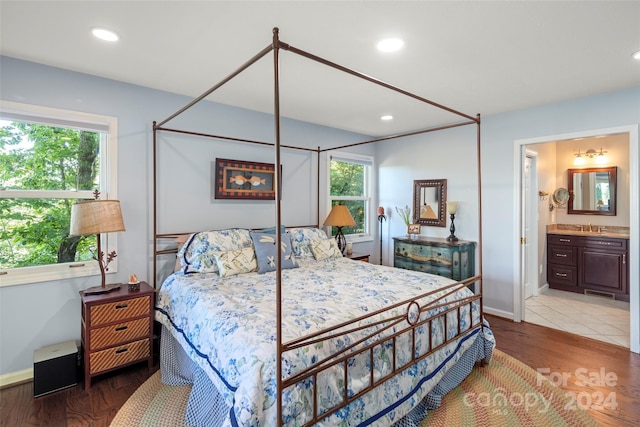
[{"x": 101, "y": 290}]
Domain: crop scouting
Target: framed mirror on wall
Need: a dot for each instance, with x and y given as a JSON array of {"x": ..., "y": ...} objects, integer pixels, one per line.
[
  {"x": 430, "y": 202},
  {"x": 592, "y": 191}
]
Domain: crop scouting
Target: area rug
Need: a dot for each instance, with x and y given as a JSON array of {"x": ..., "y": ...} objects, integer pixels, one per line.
[{"x": 506, "y": 392}]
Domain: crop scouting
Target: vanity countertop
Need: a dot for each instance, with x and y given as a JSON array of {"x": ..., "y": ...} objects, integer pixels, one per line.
[{"x": 582, "y": 230}]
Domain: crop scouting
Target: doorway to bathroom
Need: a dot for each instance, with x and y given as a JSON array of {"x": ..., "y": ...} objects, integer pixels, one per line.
[{"x": 542, "y": 164}]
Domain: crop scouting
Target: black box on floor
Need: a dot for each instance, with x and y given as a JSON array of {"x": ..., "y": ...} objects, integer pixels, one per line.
[{"x": 55, "y": 367}]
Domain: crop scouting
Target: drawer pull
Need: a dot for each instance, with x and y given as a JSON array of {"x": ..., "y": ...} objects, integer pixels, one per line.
[
  {"x": 624, "y": 258},
  {"x": 561, "y": 274},
  {"x": 121, "y": 328},
  {"x": 561, "y": 255},
  {"x": 604, "y": 243},
  {"x": 119, "y": 306},
  {"x": 121, "y": 350},
  {"x": 565, "y": 240}
]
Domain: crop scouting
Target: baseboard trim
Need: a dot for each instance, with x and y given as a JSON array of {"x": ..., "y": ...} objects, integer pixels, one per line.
[
  {"x": 499, "y": 313},
  {"x": 15, "y": 378}
]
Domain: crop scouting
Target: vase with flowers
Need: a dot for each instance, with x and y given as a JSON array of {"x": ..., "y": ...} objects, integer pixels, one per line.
[{"x": 405, "y": 215}]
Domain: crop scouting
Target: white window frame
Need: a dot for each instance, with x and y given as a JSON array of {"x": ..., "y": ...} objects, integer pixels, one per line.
[
  {"x": 108, "y": 188},
  {"x": 363, "y": 160}
]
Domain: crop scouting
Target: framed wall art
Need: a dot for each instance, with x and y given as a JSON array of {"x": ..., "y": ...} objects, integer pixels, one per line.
[{"x": 238, "y": 179}]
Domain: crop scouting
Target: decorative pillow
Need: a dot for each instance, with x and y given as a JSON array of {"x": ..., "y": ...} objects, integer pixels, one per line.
[
  {"x": 301, "y": 237},
  {"x": 197, "y": 255},
  {"x": 272, "y": 230},
  {"x": 266, "y": 252},
  {"x": 235, "y": 262},
  {"x": 325, "y": 249}
]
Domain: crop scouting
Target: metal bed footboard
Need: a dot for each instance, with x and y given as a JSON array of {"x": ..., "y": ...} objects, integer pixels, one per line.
[{"x": 384, "y": 327}]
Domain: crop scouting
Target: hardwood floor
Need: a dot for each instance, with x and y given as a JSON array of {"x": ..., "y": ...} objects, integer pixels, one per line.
[{"x": 612, "y": 370}]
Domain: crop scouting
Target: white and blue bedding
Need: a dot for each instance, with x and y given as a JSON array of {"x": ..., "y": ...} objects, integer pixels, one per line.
[{"x": 226, "y": 326}]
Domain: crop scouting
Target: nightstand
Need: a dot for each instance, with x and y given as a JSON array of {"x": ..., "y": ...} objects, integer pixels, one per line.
[
  {"x": 358, "y": 257},
  {"x": 117, "y": 330}
]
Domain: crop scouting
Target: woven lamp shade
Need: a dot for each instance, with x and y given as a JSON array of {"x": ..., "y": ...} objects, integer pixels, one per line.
[
  {"x": 96, "y": 217},
  {"x": 340, "y": 217}
]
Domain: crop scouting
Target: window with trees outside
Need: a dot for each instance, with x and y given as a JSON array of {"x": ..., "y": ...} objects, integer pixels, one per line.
[
  {"x": 350, "y": 185},
  {"x": 49, "y": 159}
]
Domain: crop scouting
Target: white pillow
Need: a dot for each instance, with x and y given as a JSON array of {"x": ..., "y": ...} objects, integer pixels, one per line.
[
  {"x": 325, "y": 249},
  {"x": 231, "y": 263}
]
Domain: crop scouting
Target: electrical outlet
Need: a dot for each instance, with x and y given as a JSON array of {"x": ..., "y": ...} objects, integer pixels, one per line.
[{"x": 540, "y": 269}]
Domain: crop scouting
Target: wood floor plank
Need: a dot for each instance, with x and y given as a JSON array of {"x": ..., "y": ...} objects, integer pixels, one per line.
[{"x": 539, "y": 347}]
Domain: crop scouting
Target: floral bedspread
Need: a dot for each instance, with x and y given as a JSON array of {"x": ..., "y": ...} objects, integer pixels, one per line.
[{"x": 228, "y": 328}]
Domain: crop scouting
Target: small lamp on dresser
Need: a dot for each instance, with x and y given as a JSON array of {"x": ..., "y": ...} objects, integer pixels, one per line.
[
  {"x": 452, "y": 208},
  {"x": 340, "y": 217},
  {"x": 96, "y": 217}
]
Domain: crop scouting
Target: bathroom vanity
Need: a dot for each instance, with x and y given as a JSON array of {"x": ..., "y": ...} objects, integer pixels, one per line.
[{"x": 588, "y": 262}]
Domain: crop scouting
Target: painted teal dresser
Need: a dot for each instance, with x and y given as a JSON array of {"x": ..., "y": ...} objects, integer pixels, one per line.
[{"x": 455, "y": 260}]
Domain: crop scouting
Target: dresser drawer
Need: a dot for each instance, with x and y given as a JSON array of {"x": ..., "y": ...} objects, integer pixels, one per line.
[
  {"x": 563, "y": 275},
  {"x": 120, "y": 310},
  {"x": 565, "y": 255},
  {"x": 562, "y": 239},
  {"x": 118, "y": 356},
  {"x": 119, "y": 333}
]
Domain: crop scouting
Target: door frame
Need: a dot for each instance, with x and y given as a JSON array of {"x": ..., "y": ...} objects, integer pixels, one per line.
[{"x": 634, "y": 221}]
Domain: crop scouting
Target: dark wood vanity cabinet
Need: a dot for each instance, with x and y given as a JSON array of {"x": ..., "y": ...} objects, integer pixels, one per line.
[{"x": 588, "y": 263}]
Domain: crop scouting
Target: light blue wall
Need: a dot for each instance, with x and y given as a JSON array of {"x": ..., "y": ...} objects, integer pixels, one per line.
[
  {"x": 39, "y": 314},
  {"x": 448, "y": 155}
]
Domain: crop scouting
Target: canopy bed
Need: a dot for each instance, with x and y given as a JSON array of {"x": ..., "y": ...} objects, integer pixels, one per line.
[{"x": 303, "y": 336}]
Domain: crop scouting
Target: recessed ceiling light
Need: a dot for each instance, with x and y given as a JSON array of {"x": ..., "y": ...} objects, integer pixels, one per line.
[
  {"x": 386, "y": 117},
  {"x": 104, "y": 34},
  {"x": 390, "y": 45},
  {"x": 636, "y": 55}
]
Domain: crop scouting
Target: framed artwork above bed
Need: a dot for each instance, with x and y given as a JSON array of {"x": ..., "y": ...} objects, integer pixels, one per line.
[{"x": 238, "y": 179}]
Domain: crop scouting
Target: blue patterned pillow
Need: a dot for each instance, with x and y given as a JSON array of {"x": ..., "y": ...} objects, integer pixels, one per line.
[
  {"x": 301, "y": 238},
  {"x": 197, "y": 254},
  {"x": 265, "y": 247}
]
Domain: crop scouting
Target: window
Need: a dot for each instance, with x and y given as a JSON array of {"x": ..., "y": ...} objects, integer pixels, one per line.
[
  {"x": 50, "y": 158},
  {"x": 350, "y": 185}
]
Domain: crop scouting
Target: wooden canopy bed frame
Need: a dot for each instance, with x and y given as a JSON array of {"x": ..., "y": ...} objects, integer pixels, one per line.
[{"x": 383, "y": 327}]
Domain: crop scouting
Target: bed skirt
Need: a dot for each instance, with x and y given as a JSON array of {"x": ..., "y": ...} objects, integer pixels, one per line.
[{"x": 207, "y": 408}]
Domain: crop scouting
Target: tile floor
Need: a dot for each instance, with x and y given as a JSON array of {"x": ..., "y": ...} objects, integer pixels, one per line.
[{"x": 591, "y": 316}]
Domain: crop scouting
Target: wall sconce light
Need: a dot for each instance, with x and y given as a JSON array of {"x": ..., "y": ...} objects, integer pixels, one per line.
[{"x": 590, "y": 153}]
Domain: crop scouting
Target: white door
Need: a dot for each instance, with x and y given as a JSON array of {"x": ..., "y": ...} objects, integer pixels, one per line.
[
  {"x": 526, "y": 226},
  {"x": 529, "y": 221}
]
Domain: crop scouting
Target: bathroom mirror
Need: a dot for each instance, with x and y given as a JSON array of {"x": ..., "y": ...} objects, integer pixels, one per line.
[
  {"x": 429, "y": 202},
  {"x": 592, "y": 191}
]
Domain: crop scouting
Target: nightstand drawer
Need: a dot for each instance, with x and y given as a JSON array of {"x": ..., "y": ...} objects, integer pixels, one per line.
[
  {"x": 119, "y": 310},
  {"x": 118, "y": 356},
  {"x": 119, "y": 333}
]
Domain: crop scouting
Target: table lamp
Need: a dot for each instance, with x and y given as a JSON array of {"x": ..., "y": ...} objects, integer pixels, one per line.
[
  {"x": 340, "y": 217},
  {"x": 96, "y": 217},
  {"x": 452, "y": 208}
]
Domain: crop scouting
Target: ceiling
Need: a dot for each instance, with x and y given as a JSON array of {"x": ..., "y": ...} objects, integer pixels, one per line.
[{"x": 474, "y": 57}]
